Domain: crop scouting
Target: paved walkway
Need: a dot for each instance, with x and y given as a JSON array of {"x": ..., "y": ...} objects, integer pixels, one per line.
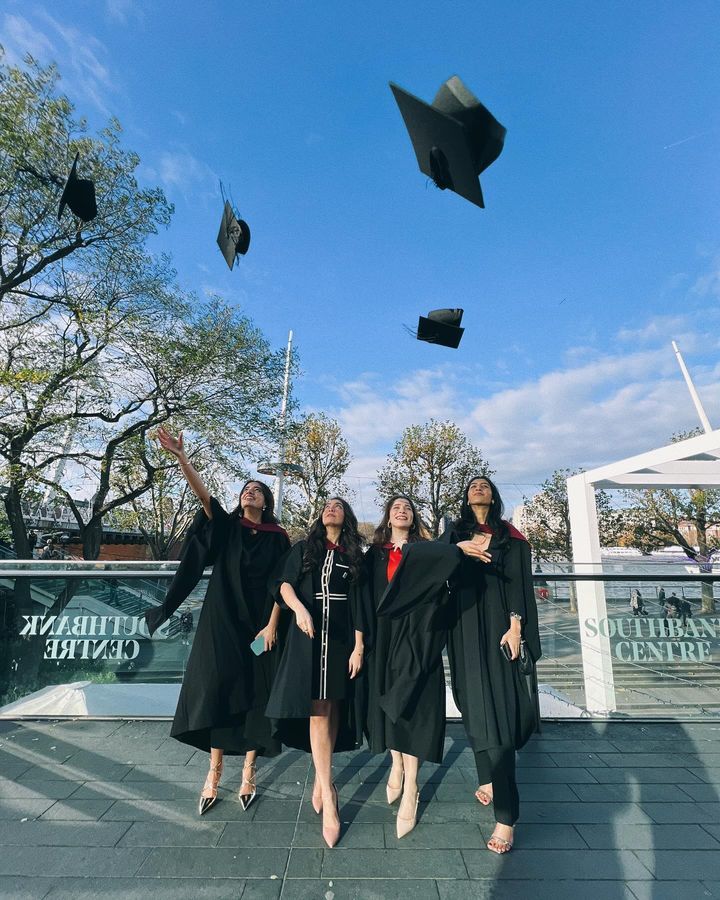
[{"x": 108, "y": 809}]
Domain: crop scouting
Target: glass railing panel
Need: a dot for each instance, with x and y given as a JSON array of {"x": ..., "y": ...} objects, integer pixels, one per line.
[
  {"x": 64, "y": 623},
  {"x": 644, "y": 646},
  {"x": 58, "y": 629}
]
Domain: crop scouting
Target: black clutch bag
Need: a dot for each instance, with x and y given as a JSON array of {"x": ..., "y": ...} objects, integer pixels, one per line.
[{"x": 524, "y": 661}]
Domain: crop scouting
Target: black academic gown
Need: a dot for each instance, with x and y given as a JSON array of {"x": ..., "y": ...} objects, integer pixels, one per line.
[
  {"x": 290, "y": 701},
  {"x": 490, "y": 691},
  {"x": 407, "y": 686},
  {"x": 226, "y": 686}
]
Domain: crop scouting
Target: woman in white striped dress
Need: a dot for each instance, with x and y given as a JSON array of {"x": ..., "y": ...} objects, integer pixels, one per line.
[{"x": 317, "y": 701}]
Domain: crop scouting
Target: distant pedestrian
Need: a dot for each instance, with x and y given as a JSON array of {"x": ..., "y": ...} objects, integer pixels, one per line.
[
  {"x": 636, "y": 603},
  {"x": 684, "y": 611},
  {"x": 671, "y": 608},
  {"x": 51, "y": 551}
]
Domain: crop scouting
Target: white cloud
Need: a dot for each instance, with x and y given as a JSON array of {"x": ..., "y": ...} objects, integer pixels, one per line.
[
  {"x": 592, "y": 410},
  {"x": 79, "y": 56},
  {"x": 119, "y": 11},
  {"x": 181, "y": 172}
]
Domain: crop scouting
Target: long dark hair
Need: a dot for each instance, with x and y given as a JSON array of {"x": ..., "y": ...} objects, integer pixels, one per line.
[
  {"x": 268, "y": 513},
  {"x": 466, "y": 522},
  {"x": 350, "y": 539},
  {"x": 418, "y": 531}
]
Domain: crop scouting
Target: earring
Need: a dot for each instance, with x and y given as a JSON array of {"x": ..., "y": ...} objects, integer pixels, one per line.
[{"x": 264, "y": 508}]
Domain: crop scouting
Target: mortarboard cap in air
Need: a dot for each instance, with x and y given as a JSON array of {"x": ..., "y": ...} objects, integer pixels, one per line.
[
  {"x": 455, "y": 139},
  {"x": 234, "y": 235},
  {"x": 441, "y": 326},
  {"x": 79, "y": 195}
]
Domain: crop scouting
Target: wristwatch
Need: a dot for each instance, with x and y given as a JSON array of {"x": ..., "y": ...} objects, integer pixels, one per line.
[{"x": 514, "y": 615}]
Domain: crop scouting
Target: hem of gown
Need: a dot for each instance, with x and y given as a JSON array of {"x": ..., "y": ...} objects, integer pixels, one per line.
[{"x": 200, "y": 740}]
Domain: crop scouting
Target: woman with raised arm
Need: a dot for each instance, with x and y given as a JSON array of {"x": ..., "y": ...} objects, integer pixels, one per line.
[
  {"x": 316, "y": 701},
  {"x": 221, "y": 708},
  {"x": 493, "y": 613},
  {"x": 407, "y": 576}
]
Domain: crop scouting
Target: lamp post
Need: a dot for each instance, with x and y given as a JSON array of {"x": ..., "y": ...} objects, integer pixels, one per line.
[{"x": 280, "y": 468}]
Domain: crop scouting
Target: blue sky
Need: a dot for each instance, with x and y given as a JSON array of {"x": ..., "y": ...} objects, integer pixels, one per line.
[{"x": 599, "y": 244}]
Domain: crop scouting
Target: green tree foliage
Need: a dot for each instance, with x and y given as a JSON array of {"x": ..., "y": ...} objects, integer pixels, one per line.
[
  {"x": 163, "y": 513},
  {"x": 432, "y": 463},
  {"x": 316, "y": 444},
  {"x": 688, "y": 518},
  {"x": 547, "y": 522},
  {"x": 97, "y": 345}
]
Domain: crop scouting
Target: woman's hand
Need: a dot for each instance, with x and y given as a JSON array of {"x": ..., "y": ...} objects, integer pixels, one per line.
[
  {"x": 472, "y": 549},
  {"x": 304, "y": 621},
  {"x": 512, "y": 638},
  {"x": 269, "y": 632},
  {"x": 356, "y": 662},
  {"x": 172, "y": 444}
]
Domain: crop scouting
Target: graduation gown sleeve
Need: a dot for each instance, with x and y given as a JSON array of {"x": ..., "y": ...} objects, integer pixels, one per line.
[
  {"x": 204, "y": 540},
  {"x": 416, "y": 597}
]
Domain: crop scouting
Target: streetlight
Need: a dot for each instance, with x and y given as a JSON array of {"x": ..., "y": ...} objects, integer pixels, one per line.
[{"x": 280, "y": 470}]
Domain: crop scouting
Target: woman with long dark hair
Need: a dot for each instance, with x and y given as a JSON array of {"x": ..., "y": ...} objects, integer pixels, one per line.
[
  {"x": 221, "y": 708},
  {"x": 493, "y": 613},
  {"x": 315, "y": 701},
  {"x": 407, "y": 576}
]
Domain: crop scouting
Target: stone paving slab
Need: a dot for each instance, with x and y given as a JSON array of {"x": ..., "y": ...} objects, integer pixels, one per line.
[{"x": 608, "y": 810}]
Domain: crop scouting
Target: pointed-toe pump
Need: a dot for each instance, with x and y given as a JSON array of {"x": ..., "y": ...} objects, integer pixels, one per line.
[
  {"x": 209, "y": 793},
  {"x": 247, "y": 797},
  {"x": 404, "y": 825},
  {"x": 331, "y": 833},
  {"x": 393, "y": 793},
  {"x": 316, "y": 799}
]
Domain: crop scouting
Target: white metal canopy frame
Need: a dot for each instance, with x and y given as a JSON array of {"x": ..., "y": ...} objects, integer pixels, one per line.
[{"x": 692, "y": 463}]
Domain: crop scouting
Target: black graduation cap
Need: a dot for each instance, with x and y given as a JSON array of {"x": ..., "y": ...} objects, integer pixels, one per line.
[
  {"x": 234, "y": 235},
  {"x": 455, "y": 139},
  {"x": 441, "y": 326},
  {"x": 79, "y": 195}
]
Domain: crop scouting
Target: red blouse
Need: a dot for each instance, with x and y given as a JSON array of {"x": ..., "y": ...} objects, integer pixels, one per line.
[{"x": 394, "y": 557}]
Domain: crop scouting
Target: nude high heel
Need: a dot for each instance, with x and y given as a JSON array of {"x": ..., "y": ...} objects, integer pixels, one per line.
[
  {"x": 209, "y": 793},
  {"x": 394, "y": 793},
  {"x": 331, "y": 833},
  {"x": 404, "y": 825},
  {"x": 316, "y": 800}
]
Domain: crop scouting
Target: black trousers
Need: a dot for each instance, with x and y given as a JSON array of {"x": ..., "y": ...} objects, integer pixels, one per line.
[{"x": 497, "y": 767}]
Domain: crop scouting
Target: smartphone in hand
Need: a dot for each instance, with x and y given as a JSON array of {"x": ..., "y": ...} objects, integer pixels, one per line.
[{"x": 258, "y": 646}]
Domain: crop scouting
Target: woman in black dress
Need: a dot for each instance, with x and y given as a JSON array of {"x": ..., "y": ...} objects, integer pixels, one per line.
[
  {"x": 407, "y": 577},
  {"x": 226, "y": 685},
  {"x": 315, "y": 702},
  {"x": 493, "y": 604}
]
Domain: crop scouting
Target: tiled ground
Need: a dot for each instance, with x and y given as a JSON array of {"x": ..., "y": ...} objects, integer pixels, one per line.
[{"x": 108, "y": 809}]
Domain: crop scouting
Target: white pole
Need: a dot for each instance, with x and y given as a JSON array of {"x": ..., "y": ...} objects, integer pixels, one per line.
[
  {"x": 704, "y": 421},
  {"x": 280, "y": 475}
]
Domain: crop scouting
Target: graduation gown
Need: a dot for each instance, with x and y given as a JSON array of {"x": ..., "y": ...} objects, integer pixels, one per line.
[
  {"x": 226, "y": 686},
  {"x": 407, "y": 686},
  {"x": 490, "y": 691},
  {"x": 290, "y": 701}
]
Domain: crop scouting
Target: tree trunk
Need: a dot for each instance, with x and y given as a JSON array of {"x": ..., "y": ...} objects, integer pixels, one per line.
[
  {"x": 13, "y": 509},
  {"x": 573, "y": 596},
  {"x": 92, "y": 539},
  {"x": 707, "y": 604}
]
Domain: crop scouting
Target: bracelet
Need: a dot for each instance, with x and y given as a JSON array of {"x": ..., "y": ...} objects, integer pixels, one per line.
[{"x": 514, "y": 615}]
